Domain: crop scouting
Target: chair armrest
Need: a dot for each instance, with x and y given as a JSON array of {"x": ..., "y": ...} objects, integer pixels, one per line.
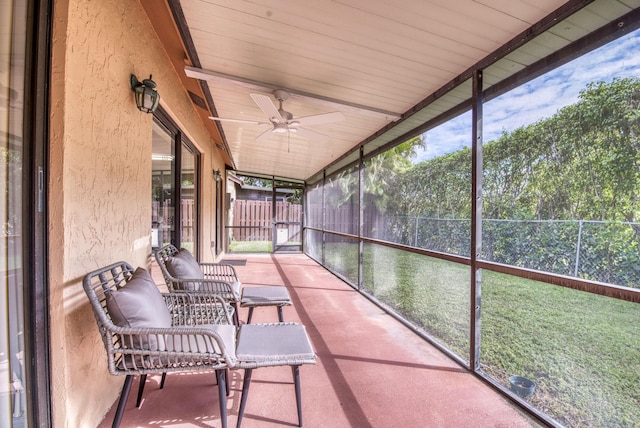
[
  {"x": 229, "y": 291},
  {"x": 220, "y": 271},
  {"x": 151, "y": 350},
  {"x": 196, "y": 308}
]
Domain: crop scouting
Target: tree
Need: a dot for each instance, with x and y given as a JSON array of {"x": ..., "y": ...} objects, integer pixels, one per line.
[
  {"x": 266, "y": 183},
  {"x": 582, "y": 163},
  {"x": 382, "y": 170}
]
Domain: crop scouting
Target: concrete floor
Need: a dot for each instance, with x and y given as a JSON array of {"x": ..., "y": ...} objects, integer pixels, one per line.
[{"x": 371, "y": 370}]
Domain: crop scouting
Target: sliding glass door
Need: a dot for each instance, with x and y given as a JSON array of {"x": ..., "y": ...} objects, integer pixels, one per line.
[
  {"x": 162, "y": 187},
  {"x": 12, "y": 153},
  {"x": 24, "y": 363},
  {"x": 188, "y": 198},
  {"x": 175, "y": 176}
]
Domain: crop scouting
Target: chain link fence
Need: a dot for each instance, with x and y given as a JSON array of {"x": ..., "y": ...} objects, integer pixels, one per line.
[{"x": 601, "y": 251}]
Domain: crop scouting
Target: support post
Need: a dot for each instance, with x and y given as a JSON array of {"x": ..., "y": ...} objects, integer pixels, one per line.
[{"x": 476, "y": 220}]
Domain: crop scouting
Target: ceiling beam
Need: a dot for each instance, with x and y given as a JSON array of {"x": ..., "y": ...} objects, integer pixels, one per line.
[{"x": 198, "y": 73}]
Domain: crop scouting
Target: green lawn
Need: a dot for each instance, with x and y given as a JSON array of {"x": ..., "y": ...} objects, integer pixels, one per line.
[
  {"x": 250, "y": 246},
  {"x": 255, "y": 246},
  {"x": 582, "y": 350}
]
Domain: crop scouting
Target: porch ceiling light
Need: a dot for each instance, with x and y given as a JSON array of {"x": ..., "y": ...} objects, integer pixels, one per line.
[{"x": 145, "y": 93}]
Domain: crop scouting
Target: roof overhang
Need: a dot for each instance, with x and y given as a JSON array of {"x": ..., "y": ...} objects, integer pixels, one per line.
[{"x": 391, "y": 71}]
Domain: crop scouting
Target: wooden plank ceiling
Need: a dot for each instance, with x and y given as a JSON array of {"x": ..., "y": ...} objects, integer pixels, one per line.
[{"x": 371, "y": 60}]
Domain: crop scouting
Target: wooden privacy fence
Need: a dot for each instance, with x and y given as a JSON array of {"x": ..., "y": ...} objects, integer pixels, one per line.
[
  {"x": 345, "y": 219},
  {"x": 252, "y": 220}
]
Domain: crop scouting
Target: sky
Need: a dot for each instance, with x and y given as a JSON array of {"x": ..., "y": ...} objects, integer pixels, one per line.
[{"x": 540, "y": 98}]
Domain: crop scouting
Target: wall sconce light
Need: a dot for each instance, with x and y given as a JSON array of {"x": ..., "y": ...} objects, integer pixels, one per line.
[
  {"x": 146, "y": 95},
  {"x": 217, "y": 176}
]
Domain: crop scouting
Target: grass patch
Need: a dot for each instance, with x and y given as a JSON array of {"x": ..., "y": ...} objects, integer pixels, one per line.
[
  {"x": 250, "y": 246},
  {"x": 434, "y": 296},
  {"x": 582, "y": 350}
]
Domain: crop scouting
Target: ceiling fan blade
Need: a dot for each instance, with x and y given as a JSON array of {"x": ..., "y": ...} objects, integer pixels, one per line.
[
  {"x": 223, "y": 119},
  {"x": 263, "y": 136},
  {"x": 318, "y": 119},
  {"x": 311, "y": 135},
  {"x": 267, "y": 107}
]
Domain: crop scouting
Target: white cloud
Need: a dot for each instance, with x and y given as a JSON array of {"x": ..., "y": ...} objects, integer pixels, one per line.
[
  {"x": 539, "y": 98},
  {"x": 446, "y": 138}
]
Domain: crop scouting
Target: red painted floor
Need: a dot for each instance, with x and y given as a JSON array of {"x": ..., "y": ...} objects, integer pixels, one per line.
[{"x": 371, "y": 370}]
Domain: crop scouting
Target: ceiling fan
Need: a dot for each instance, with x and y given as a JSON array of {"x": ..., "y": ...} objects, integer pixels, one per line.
[{"x": 282, "y": 121}]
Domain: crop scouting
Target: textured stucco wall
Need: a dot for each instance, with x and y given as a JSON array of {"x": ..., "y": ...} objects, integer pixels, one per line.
[{"x": 100, "y": 187}]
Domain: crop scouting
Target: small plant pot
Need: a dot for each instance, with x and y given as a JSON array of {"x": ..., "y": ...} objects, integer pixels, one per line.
[{"x": 522, "y": 386}]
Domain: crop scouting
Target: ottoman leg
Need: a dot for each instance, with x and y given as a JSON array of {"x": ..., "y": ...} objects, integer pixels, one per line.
[
  {"x": 245, "y": 393},
  {"x": 296, "y": 381}
]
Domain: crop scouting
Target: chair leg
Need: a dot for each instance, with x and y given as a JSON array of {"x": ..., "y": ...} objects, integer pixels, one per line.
[
  {"x": 220, "y": 376},
  {"x": 250, "y": 315},
  {"x": 296, "y": 381},
  {"x": 122, "y": 403},
  {"x": 226, "y": 376},
  {"x": 236, "y": 319},
  {"x": 280, "y": 314},
  {"x": 143, "y": 381},
  {"x": 245, "y": 393},
  {"x": 164, "y": 376}
]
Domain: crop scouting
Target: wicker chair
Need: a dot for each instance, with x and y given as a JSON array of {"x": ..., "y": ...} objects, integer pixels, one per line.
[
  {"x": 200, "y": 334},
  {"x": 222, "y": 279}
]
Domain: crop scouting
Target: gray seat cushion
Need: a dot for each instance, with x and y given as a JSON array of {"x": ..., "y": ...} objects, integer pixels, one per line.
[
  {"x": 274, "y": 344},
  {"x": 184, "y": 266},
  {"x": 139, "y": 304},
  {"x": 204, "y": 344},
  {"x": 235, "y": 286},
  {"x": 214, "y": 286},
  {"x": 265, "y": 296}
]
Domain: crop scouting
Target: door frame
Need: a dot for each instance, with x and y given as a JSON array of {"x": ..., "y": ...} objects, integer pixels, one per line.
[{"x": 286, "y": 248}]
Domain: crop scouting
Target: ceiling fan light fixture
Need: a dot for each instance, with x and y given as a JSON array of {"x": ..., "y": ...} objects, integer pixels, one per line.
[{"x": 280, "y": 128}]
